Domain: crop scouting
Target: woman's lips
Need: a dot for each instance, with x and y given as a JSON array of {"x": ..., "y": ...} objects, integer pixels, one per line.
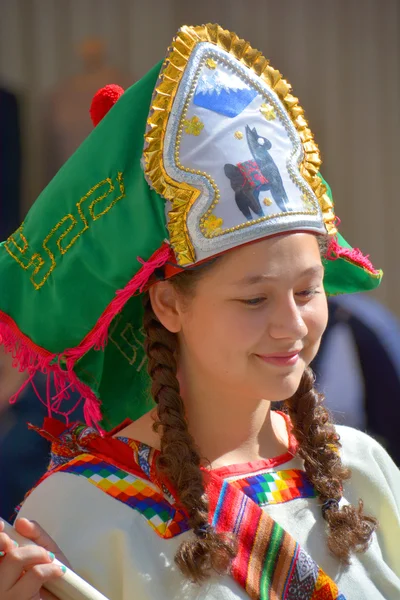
[{"x": 280, "y": 360}]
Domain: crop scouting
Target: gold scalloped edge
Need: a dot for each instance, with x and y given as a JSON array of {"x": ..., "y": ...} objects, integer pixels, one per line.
[{"x": 181, "y": 195}]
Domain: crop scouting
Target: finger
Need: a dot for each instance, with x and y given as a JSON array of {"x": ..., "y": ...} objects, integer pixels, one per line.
[
  {"x": 33, "y": 531},
  {"x": 6, "y": 544},
  {"x": 31, "y": 582},
  {"x": 18, "y": 560}
]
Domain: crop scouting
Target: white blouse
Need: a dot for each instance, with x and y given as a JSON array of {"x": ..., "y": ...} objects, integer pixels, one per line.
[{"x": 112, "y": 546}]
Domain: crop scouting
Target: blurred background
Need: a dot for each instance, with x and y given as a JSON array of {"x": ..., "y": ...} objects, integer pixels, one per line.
[{"x": 342, "y": 58}]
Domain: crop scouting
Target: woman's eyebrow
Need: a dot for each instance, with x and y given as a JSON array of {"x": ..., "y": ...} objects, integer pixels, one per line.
[{"x": 258, "y": 278}]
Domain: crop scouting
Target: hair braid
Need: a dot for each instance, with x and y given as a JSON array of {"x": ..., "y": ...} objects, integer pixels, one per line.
[
  {"x": 350, "y": 529},
  {"x": 179, "y": 459}
]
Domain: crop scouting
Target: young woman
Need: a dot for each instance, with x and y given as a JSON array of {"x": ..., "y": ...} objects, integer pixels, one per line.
[{"x": 208, "y": 492}]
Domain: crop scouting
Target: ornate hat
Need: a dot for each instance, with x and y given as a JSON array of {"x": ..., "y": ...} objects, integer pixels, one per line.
[{"x": 210, "y": 150}]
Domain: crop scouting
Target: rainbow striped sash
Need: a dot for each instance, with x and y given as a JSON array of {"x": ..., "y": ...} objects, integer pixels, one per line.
[{"x": 270, "y": 564}]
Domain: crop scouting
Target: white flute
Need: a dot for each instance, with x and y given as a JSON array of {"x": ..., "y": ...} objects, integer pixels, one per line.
[{"x": 68, "y": 587}]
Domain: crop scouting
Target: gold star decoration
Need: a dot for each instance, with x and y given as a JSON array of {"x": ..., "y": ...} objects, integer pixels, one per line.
[
  {"x": 238, "y": 135},
  {"x": 268, "y": 112},
  {"x": 193, "y": 126},
  {"x": 211, "y": 64},
  {"x": 267, "y": 201},
  {"x": 213, "y": 224}
]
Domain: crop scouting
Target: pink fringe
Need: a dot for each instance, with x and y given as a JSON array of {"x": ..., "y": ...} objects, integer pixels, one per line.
[
  {"x": 97, "y": 339},
  {"x": 28, "y": 359},
  {"x": 353, "y": 254}
]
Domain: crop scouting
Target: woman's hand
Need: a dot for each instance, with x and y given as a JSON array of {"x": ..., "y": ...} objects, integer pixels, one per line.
[{"x": 24, "y": 570}]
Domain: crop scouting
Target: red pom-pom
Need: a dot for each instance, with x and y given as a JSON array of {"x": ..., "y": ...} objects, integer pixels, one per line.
[{"x": 103, "y": 100}]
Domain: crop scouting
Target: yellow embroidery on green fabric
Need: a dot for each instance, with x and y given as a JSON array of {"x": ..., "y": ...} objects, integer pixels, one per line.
[
  {"x": 61, "y": 248},
  {"x": 25, "y": 262},
  {"x": 18, "y": 249},
  {"x": 193, "y": 126},
  {"x": 113, "y": 202},
  {"x": 126, "y": 340}
]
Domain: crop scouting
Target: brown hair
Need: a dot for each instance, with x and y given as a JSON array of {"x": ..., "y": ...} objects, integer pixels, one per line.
[
  {"x": 179, "y": 460},
  {"x": 349, "y": 529}
]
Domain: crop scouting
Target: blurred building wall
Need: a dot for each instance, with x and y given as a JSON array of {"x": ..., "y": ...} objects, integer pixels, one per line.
[{"x": 341, "y": 56}]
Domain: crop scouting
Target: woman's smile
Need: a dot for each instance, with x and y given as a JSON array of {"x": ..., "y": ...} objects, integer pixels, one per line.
[{"x": 281, "y": 359}]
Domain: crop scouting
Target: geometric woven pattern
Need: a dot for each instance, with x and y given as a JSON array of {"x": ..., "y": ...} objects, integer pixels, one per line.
[
  {"x": 309, "y": 581},
  {"x": 270, "y": 563},
  {"x": 137, "y": 493},
  {"x": 325, "y": 588},
  {"x": 276, "y": 487}
]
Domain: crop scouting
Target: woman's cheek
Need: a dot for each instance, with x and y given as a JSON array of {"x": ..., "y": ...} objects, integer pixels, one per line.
[
  {"x": 248, "y": 319},
  {"x": 316, "y": 319}
]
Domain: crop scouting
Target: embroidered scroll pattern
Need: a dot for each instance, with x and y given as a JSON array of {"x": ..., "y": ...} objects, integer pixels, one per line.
[
  {"x": 66, "y": 232},
  {"x": 130, "y": 342}
]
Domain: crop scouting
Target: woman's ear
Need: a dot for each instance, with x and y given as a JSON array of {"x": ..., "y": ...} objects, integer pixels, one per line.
[{"x": 164, "y": 302}]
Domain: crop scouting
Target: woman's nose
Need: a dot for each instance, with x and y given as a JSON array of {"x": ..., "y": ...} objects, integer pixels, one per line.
[{"x": 287, "y": 321}]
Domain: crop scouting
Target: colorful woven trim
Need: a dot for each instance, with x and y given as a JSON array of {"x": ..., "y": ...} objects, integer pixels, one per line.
[
  {"x": 72, "y": 442},
  {"x": 269, "y": 563},
  {"x": 276, "y": 487},
  {"x": 137, "y": 493}
]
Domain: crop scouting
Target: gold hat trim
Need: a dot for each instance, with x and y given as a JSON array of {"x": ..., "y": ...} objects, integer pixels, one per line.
[{"x": 181, "y": 195}]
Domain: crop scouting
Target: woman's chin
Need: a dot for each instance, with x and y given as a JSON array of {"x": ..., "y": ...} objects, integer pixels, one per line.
[{"x": 284, "y": 388}]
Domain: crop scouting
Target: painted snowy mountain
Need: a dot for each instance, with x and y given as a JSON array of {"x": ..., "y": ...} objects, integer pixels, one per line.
[{"x": 223, "y": 92}]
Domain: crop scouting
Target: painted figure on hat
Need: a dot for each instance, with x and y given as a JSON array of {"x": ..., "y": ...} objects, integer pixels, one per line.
[{"x": 251, "y": 177}]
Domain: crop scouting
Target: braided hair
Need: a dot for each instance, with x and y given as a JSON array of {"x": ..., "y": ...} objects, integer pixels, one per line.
[
  {"x": 179, "y": 460},
  {"x": 349, "y": 529}
]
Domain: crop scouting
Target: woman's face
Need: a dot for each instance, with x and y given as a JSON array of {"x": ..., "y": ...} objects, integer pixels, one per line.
[{"x": 256, "y": 318}]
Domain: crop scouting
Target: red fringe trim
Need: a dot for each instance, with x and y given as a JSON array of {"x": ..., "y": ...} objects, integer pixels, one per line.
[
  {"x": 32, "y": 358},
  {"x": 354, "y": 255},
  {"x": 97, "y": 338},
  {"x": 64, "y": 382}
]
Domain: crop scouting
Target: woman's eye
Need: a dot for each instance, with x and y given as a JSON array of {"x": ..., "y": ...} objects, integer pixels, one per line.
[
  {"x": 253, "y": 301},
  {"x": 308, "y": 293}
]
